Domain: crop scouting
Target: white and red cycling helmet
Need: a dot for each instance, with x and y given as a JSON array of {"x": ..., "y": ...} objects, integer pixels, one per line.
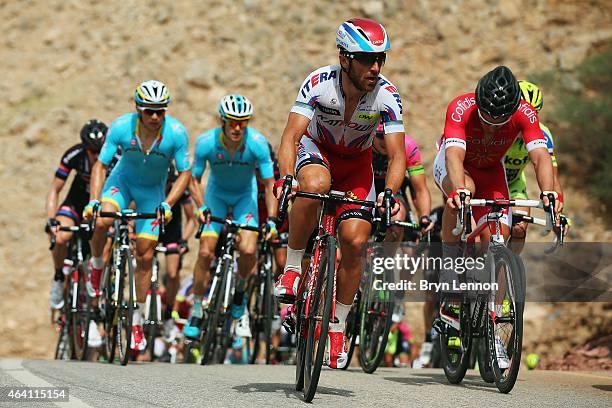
[{"x": 362, "y": 35}]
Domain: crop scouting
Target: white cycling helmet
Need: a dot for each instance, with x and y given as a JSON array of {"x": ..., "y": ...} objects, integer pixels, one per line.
[
  {"x": 235, "y": 107},
  {"x": 152, "y": 92},
  {"x": 362, "y": 35}
]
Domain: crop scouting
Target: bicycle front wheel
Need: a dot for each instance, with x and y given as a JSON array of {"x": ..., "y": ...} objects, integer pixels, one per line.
[
  {"x": 213, "y": 315},
  {"x": 125, "y": 302},
  {"x": 318, "y": 317},
  {"x": 81, "y": 313},
  {"x": 352, "y": 329},
  {"x": 375, "y": 321},
  {"x": 505, "y": 326},
  {"x": 108, "y": 310},
  {"x": 455, "y": 347}
]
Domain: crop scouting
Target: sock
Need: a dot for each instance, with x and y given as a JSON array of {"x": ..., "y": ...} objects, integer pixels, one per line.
[
  {"x": 137, "y": 317},
  {"x": 294, "y": 259},
  {"x": 428, "y": 337},
  {"x": 239, "y": 292},
  {"x": 59, "y": 275},
  {"x": 342, "y": 312},
  {"x": 197, "y": 306},
  {"x": 97, "y": 262}
]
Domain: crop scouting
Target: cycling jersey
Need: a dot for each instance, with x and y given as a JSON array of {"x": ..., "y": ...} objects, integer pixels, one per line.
[
  {"x": 464, "y": 129},
  {"x": 76, "y": 158},
  {"x": 321, "y": 99},
  {"x": 141, "y": 176},
  {"x": 414, "y": 166},
  {"x": 517, "y": 156},
  {"x": 146, "y": 168},
  {"x": 483, "y": 158},
  {"x": 232, "y": 180}
]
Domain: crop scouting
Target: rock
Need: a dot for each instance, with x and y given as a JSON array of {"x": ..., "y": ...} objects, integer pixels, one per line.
[
  {"x": 570, "y": 57},
  {"x": 373, "y": 9},
  {"x": 34, "y": 134},
  {"x": 164, "y": 14},
  {"x": 509, "y": 11}
]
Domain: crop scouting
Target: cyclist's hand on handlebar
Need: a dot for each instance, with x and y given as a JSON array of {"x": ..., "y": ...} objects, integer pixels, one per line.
[
  {"x": 395, "y": 206},
  {"x": 426, "y": 224},
  {"x": 164, "y": 208},
  {"x": 565, "y": 221},
  {"x": 278, "y": 188},
  {"x": 454, "y": 201},
  {"x": 51, "y": 226},
  {"x": 203, "y": 214},
  {"x": 93, "y": 205},
  {"x": 272, "y": 231},
  {"x": 558, "y": 200}
]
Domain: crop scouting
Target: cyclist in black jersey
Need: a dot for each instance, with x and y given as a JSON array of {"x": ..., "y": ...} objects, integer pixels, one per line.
[{"x": 79, "y": 158}]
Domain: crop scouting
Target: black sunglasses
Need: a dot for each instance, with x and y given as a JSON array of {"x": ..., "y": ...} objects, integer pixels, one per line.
[{"x": 368, "y": 58}]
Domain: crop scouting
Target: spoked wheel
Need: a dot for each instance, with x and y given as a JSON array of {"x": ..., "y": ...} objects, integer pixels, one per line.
[
  {"x": 505, "y": 326},
  {"x": 125, "y": 301},
  {"x": 151, "y": 327},
  {"x": 255, "y": 310},
  {"x": 212, "y": 318},
  {"x": 80, "y": 314},
  {"x": 352, "y": 329},
  {"x": 269, "y": 307},
  {"x": 455, "y": 347},
  {"x": 64, "y": 349},
  {"x": 318, "y": 316},
  {"x": 375, "y": 322},
  {"x": 301, "y": 331},
  {"x": 108, "y": 311}
]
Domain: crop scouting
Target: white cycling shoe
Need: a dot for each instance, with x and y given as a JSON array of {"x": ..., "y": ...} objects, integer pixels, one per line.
[
  {"x": 243, "y": 327},
  {"x": 94, "y": 340}
]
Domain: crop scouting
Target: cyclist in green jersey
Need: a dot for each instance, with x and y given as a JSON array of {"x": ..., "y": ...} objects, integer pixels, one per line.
[{"x": 516, "y": 160}]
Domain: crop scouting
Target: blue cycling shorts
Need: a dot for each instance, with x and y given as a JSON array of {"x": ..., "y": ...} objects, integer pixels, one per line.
[{"x": 244, "y": 205}]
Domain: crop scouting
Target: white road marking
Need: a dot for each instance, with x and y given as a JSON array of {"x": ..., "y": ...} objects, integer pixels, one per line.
[{"x": 15, "y": 369}]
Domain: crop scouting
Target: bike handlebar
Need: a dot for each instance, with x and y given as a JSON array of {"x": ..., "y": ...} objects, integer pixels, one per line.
[{"x": 226, "y": 221}]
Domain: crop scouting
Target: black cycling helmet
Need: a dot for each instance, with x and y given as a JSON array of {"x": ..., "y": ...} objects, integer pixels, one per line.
[
  {"x": 93, "y": 134},
  {"x": 498, "y": 93}
]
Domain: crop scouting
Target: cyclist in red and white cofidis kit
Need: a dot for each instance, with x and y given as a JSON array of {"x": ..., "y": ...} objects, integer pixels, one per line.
[
  {"x": 333, "y": 120},
  {"x": 479, "y": 129}
]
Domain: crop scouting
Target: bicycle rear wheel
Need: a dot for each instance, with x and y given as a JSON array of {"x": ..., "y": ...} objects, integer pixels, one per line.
[
  {"x": 151, "y": 328},
  {"x": 269, "y": 306},
  {"x": 506, "y": 326},
  {"x": 301, "y": 330},
  {"x": 319, "y": 315},
  {"x": 125, "y": 302},
  {"x": 80, "y": 313},
  {"x": 484, "y": 361}
]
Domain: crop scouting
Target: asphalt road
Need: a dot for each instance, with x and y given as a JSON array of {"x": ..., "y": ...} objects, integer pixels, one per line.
[{"x": 166, "y": 385}]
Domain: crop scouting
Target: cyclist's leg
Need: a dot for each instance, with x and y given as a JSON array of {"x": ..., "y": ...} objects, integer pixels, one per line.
[
  {"x": 245, "y": 212},
  {"x": 312, "y": 170},
  {"x": 518, "y": 190},
  {"x": 66, "y": 216},
  {"x": 170, "y": 239},
  {"x": 115, "y": 197}
]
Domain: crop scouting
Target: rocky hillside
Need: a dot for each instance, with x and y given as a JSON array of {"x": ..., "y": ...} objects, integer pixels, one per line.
[{"x": 68, "y": 61}]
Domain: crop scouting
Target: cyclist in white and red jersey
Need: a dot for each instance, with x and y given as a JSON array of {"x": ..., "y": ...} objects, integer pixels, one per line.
[
  {"x": 480, "y": 127},
  {"x": 333, "y": 120}
]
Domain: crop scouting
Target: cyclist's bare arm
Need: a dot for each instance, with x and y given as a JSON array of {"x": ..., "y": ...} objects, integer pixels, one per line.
[
  {"x": 190, "y": 220},
  {"x": 195, "y": 189},
  {"x": 53, "y": 196},
  {"x": 543, "y": 168},
  {"x": 396, "y": 154},
  {"x": 422, "y": 200},
  {"x": 98, "y": 177},
  {"x": 271, "y": 202},
  {"x": 454, "y": 166},
  {"x": 178, "y": 188},
  {"x": 294, "y": 130}
]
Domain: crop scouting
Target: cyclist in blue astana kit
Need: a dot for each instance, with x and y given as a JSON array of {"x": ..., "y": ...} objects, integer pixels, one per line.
[
  {"x": 149, "y": 140},
  {"x": 233, "y": 152}
]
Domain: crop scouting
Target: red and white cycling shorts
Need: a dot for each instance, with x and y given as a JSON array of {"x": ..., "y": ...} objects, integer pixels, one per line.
[
  {"x": 351, "y": 174},
  {"x": 490, "y": 183}
]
